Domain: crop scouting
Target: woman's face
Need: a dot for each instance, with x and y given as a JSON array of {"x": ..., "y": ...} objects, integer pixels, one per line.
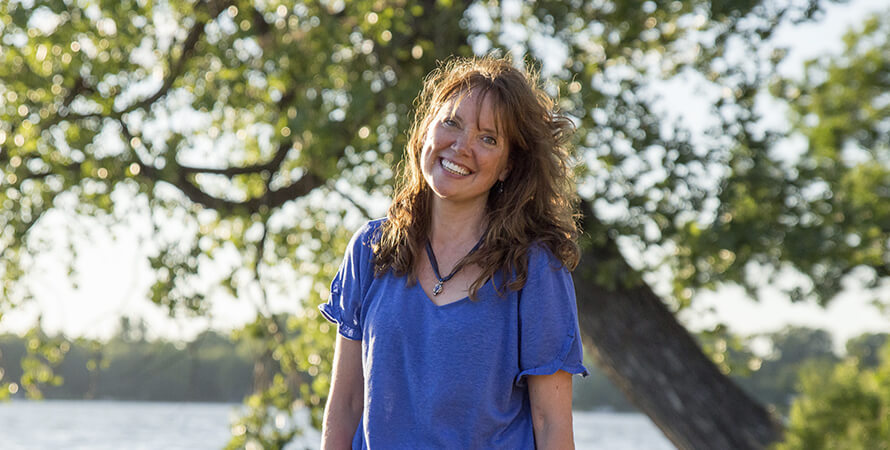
[{"x": 464, "y": 154}]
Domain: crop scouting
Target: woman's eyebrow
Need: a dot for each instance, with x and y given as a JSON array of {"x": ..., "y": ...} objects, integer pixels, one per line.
[{"x": 492, "y": 130}]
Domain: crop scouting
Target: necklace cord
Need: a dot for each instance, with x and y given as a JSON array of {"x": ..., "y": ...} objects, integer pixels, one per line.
[{"x": 435, "y": 265}]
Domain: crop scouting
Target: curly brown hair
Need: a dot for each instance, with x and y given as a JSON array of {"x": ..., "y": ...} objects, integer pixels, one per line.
[{"x": 538, "y": 205}]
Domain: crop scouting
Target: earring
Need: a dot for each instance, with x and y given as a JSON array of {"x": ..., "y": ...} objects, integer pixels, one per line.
[{"x": 500, "y": 187}]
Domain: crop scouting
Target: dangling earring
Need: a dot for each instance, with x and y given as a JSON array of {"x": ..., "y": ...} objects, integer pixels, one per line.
[{"x": 500, "y": 187}]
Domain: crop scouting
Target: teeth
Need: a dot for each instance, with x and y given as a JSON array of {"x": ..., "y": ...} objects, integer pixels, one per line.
[{"x": 454, "y": 168}]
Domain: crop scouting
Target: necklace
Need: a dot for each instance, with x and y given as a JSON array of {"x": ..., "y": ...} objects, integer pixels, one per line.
[{"x": 432, "y": 256}]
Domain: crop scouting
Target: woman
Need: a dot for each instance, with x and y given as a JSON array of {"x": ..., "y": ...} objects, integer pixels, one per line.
[{"x": 456, "y": 313}]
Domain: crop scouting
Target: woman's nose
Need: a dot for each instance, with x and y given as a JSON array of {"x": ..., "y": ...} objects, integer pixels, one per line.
[{"x": 460, "y": 143}]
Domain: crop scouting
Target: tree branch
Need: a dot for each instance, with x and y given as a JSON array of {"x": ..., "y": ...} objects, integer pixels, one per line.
[
  {"x": 273, "y": 165},
  {"x": 188, "y": 47},
  {"x": 271, "y": 199}
]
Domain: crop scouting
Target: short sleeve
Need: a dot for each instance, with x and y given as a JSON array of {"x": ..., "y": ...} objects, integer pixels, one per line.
[
  {"x": 549, "y": 337},
  {"x": 349, "y": 285}
]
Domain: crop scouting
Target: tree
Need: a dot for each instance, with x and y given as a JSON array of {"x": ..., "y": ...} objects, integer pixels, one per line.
[
  {"x": 794, "y": 349},
  {"x": 254, "y": 136},
  {"x": 866, "y": 348},
  {"x": 845, "y": 407}
]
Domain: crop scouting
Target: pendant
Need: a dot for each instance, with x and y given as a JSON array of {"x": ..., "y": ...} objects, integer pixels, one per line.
[{"x": 437, "y": 288}]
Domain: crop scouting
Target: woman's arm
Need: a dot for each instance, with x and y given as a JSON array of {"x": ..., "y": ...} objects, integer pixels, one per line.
[
  {"x": 346, "y": 398},
  {"x": 551, "y": 402}
]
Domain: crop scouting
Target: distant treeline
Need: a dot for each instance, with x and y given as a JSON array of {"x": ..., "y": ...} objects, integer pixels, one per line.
[
  {"x": 212, "y": 368},
  {"x": 216, "y": 368},
  {"x": 771, "y": 378}
]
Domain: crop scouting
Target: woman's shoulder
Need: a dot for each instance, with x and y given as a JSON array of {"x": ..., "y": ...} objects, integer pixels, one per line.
[
  {"x": 363, "y": 240},
  {"x": 369, "y": 232},
  {"x": 540, "y": 255}
]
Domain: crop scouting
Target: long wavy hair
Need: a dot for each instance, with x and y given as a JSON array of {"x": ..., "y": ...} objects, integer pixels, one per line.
[{"x": 538, "y": 204}]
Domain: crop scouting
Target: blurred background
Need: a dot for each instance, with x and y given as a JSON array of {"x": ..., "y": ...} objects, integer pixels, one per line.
[{"x": 180, "y": 178}]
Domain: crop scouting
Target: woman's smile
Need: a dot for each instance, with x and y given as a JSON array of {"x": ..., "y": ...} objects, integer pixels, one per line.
[{"x": 454, "y": 168}]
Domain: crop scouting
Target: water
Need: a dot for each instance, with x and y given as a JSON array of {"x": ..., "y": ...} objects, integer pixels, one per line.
[
  {"x": 101, "y": 425},
  {"x": 617, "y": 431}
]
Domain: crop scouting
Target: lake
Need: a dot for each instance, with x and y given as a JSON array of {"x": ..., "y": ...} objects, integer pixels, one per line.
[{"x": 100, "y": 425}]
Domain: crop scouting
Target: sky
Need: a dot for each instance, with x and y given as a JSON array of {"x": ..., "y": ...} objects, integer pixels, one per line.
[{"x": 114, "y": 275}]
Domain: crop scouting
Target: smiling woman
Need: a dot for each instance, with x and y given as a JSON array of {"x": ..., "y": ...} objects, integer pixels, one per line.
[{"x": 480, "y": 354}]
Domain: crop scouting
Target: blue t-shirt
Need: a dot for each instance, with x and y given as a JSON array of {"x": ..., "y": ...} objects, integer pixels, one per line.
[{"x": 452, "y": 376}]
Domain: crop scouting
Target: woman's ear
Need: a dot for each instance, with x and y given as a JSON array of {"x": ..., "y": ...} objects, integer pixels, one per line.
[{"x": 506, "y": 172}]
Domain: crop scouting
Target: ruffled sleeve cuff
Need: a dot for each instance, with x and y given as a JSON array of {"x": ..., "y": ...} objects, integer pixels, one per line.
[
  {"x": 333, "y": 315},
  {"x": 560, "y": 362}
]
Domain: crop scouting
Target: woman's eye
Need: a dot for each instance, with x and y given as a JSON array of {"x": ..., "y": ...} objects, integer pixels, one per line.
[
  {"x": 450, "y": 122},
  {"x": 489, "y": 140}
]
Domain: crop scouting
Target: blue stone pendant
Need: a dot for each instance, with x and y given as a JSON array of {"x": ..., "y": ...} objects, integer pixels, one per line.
[{"x": 437, "y": 288}]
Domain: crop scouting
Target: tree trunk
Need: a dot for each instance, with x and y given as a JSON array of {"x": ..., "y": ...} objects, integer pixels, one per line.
[
  {"x": 636, "y": 340},
  {"x": 264, "y": 369}
]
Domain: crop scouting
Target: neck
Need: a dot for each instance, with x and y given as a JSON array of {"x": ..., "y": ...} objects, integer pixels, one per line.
[{"x": 456, "y": 224}]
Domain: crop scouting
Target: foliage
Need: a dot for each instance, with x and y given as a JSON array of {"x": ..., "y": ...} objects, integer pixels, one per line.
[
  {"x": 297, "y": 373},
  {"x": 255, "y": 136},
  {"x": 38, "y": 357},
  {"x": 846, "y": 407},
  {"x": 834, "y": 214},
  {"x": 729, "y": 352},
  {"x": 867, "y": 349}
]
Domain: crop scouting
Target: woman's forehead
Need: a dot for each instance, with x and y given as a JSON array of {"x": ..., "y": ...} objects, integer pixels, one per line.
[{"x": 489, "y": 110}]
